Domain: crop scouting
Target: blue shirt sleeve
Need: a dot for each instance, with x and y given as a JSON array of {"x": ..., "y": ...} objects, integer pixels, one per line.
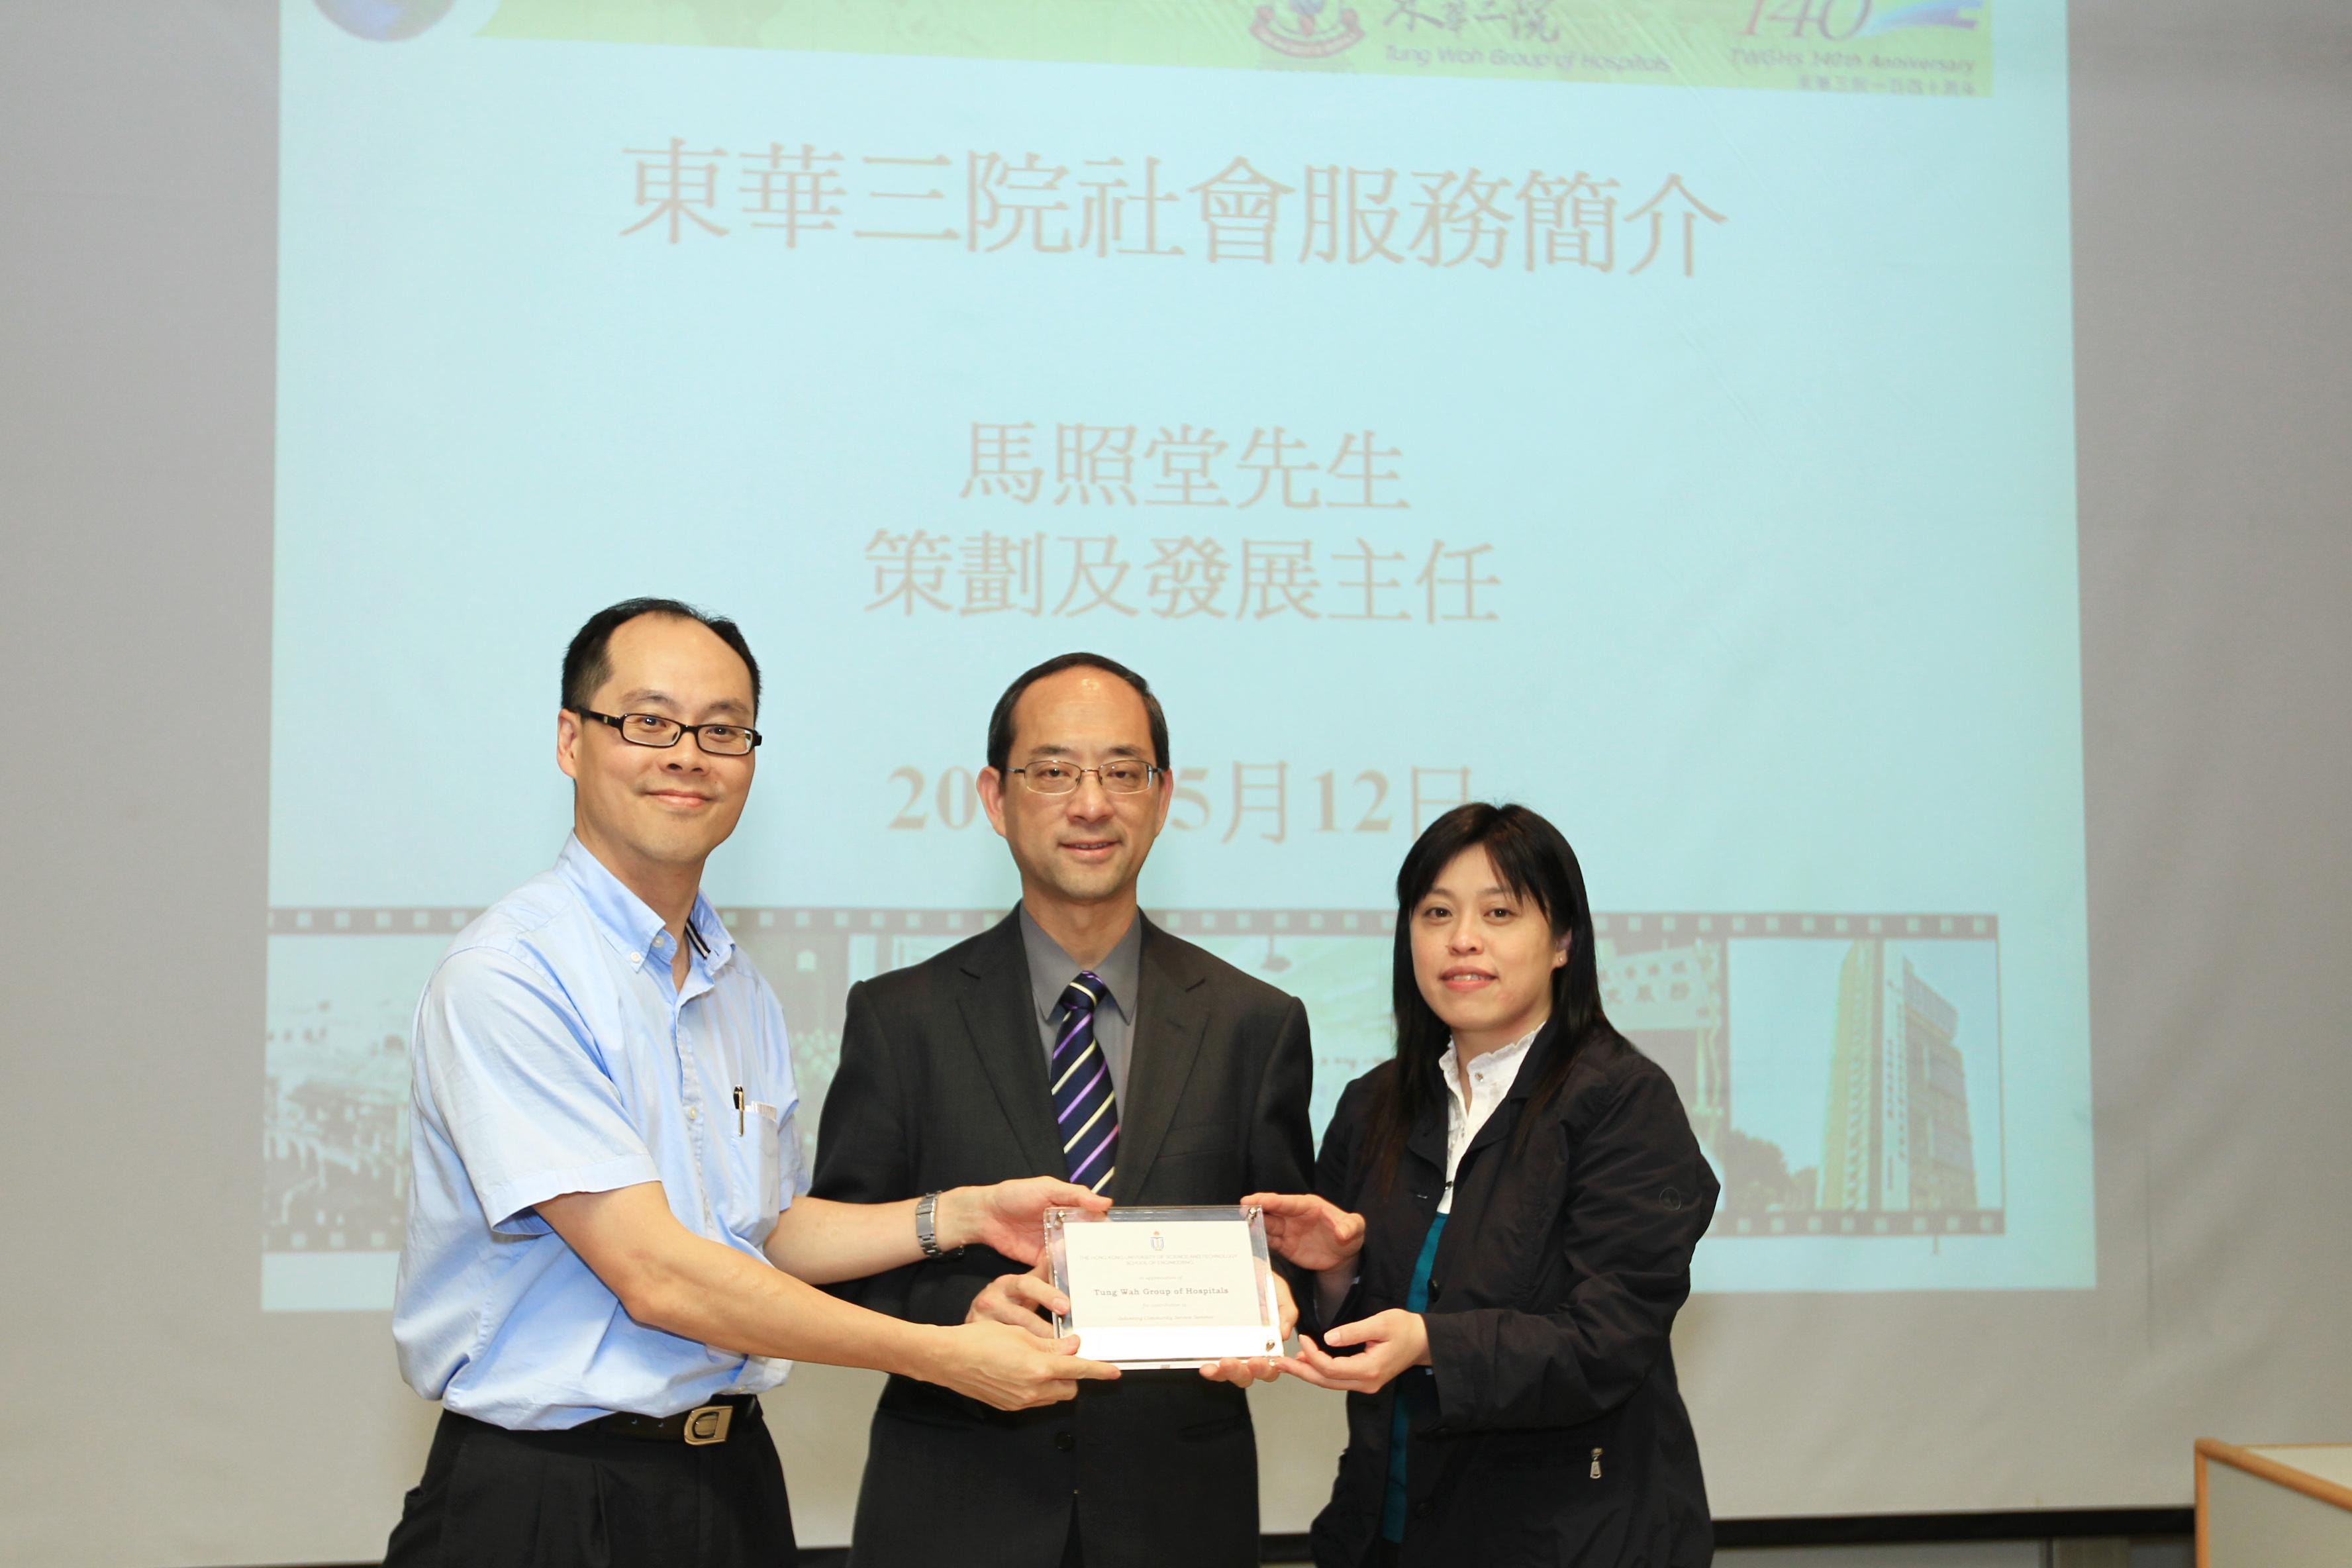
[{"x": 519, "y": 1090}]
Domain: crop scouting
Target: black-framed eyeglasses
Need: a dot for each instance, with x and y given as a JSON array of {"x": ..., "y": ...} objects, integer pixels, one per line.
[
  {"x": 653, "y": 729},
  {"x": 1050, "y": 777}
]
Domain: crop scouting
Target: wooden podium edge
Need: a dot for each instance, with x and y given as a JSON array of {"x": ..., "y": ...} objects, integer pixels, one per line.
[{"x": 2269, "y": 1469}]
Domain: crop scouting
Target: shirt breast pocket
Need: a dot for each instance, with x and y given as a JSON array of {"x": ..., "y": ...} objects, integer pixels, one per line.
[
  {"x": 763, "y": 1157},
  {"x": 1200, "y": 1138}
]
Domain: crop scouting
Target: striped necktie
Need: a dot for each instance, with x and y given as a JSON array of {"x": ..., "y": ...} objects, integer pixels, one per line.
[{"x": 1082, "y": 1098}]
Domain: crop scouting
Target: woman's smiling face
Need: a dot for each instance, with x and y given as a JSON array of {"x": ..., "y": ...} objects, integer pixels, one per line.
[{"x": 1483, "y": 955}]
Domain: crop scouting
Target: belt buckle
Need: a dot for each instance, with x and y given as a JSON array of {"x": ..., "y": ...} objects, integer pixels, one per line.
[{"x": 708, "y": 1423}]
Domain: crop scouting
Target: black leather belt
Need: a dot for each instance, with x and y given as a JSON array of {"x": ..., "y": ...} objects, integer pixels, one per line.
[{"x": 702, "y": 1425}]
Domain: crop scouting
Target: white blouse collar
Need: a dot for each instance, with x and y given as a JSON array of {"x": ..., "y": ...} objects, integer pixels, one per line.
[{"x": 1500, "y": 1056}]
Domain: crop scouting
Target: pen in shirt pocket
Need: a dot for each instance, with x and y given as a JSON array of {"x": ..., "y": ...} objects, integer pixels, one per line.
[{"x": 738, "y": 1110}]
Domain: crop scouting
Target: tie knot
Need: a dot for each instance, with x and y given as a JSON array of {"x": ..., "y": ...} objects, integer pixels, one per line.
[{"x": 1084, "y": 994}]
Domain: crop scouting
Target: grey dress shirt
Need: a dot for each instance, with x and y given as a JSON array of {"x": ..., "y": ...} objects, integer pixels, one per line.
[{"x": 1051, "y": 970}]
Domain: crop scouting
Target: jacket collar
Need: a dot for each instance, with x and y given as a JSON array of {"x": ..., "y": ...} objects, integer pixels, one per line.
[
  {"x": 1003, "y": 1029},
  {"x": 1051, "y": 970},
  {"x": 1540, "y": 1054},
  {"x": 1170, "y": 1021},
  {"x": 999, "y": 1018},
  {"x": 1427, "y": 1140}
]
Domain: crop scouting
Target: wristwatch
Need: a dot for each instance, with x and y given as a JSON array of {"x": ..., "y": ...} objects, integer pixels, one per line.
[{"x": 927, "y": 1234}]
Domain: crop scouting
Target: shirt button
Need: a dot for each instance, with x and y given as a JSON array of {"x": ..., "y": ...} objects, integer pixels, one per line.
[
  {"x": 637, "y": 958},
  {"x": 694, "y": 1113}
]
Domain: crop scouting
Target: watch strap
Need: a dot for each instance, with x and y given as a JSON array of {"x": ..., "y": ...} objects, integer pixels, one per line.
[{"x": 927, "y": 1234}]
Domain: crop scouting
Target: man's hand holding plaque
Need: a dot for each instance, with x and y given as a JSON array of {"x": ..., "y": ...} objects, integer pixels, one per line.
[
  {"x": 1169, "y": 1288},
  {"x": 1026, "y": 1300},
  {"x": 1258, "y": 1369}
]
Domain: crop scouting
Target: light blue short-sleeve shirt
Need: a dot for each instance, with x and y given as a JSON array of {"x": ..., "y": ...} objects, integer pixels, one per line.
[{"x": 551, "y": 1055}]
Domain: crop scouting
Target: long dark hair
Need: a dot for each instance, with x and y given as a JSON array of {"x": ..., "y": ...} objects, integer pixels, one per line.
[{"x": 1536, "y": 863}]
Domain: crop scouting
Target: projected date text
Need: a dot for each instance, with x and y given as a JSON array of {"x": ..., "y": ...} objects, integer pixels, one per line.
[{"x": 1268, "y": 802}]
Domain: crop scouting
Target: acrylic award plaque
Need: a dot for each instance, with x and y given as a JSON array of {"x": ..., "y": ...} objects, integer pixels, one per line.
[{"x": 1165, "y": 1287}]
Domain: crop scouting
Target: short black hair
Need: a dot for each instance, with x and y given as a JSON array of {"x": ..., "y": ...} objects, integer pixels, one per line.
[
  {"x": 1000, "y": 723},
  {"x": 586, "y": 665}
]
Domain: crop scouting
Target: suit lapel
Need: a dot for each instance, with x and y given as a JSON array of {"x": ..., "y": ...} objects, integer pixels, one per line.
[
  {"x": 1001, "y": 1019},
  {"x": 1169, "y": 1023}
]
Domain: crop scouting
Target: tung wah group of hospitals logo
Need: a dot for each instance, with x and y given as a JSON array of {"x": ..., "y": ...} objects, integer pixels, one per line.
[
  {"x": 386, "y": 21},
  {"x": 400, "y": 21},
  {"x": 1303, "y": 30}
]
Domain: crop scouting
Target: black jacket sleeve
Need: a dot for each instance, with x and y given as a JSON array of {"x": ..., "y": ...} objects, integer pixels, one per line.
[
  {"x": 1335, "y": 1167},
  {"x": 862, "y": 1148},
  {"x": 1639, "y": 1197},
  {"x": 1278, "y": 1143},
  {"x": 1336, "y": 1179}
]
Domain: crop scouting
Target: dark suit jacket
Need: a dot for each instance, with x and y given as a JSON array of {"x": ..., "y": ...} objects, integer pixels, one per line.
[
  {"x": 1548, "y": 1430},
  {"x": 942, "y": 1083}
]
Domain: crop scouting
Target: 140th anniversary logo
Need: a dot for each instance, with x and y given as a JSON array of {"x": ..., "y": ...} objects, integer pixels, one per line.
[{"x": 1918, "y": 48}]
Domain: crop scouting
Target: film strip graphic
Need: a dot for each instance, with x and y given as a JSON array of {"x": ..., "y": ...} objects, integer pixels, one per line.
[
  {"x": 428, "y": 920},
  {"x": 1842, "y": 1070}
]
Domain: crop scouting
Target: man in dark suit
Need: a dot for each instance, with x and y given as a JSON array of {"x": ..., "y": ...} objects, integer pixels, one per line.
[{"x": 1076, "y": 1039}]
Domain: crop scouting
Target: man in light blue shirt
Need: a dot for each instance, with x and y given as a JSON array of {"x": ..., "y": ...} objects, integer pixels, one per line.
[{"x": 610, "y": 1252}]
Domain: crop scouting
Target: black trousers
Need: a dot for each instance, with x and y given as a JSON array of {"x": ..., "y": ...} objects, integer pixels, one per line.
[{"x": 496, "y": 1499}]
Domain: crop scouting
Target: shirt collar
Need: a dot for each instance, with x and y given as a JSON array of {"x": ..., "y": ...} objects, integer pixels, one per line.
[
  {"x": 718, "y": 943},
  {"x": 1051, "y": 970},
  {"x": 1506, "y": 1058},
  {"x": 627, "y": 921}
]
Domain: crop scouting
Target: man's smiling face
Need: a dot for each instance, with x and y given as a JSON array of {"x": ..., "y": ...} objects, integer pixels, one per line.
[
  {"x": 659, "y": 806},
  {"x": 1089, "y": 845}
]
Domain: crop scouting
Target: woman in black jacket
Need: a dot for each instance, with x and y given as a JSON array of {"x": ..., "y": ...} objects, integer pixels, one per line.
[{"x": 1502, "y": 1228}]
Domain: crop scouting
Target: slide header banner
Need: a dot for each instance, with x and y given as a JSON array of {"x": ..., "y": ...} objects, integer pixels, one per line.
[{"x": 1918, "y": 48}]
